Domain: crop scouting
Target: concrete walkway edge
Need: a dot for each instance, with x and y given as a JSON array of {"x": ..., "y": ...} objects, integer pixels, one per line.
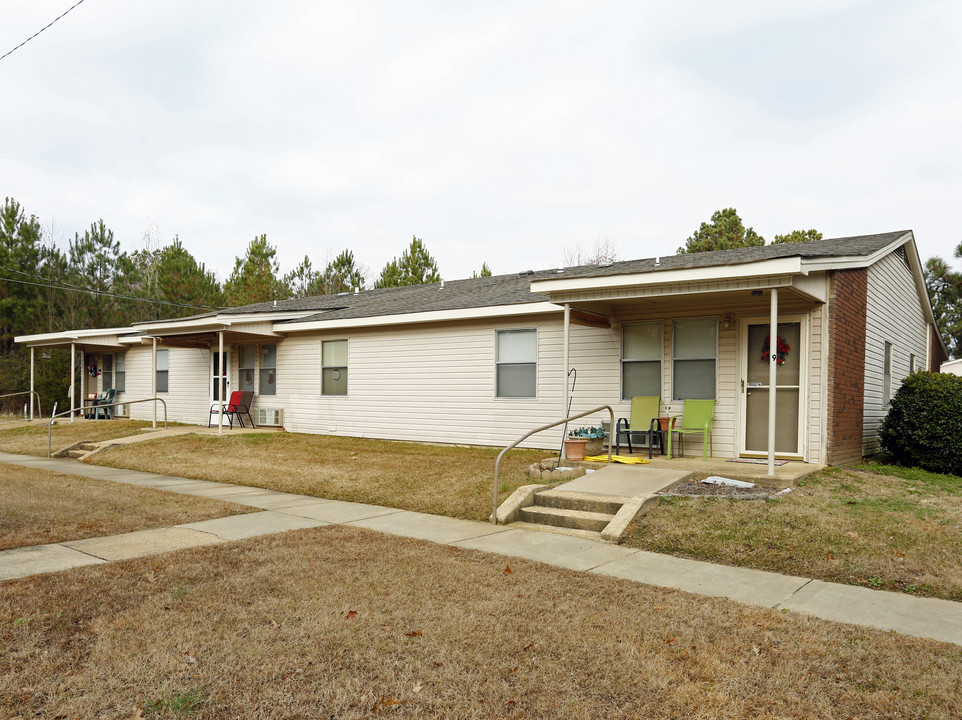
[{"x": 921, "y": 617}]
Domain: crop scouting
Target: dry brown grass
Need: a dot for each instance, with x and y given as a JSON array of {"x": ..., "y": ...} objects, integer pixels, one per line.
[
  {"x": 40, "y": 506},
  {"x": 855, "y": 526},
  {"x": 439, "y": 479},
  {"x": 340, "y": 622},
  {"x": 31, "y": 439}
]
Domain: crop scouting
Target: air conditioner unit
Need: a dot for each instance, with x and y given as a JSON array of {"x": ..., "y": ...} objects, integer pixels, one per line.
[{"x": 270, "y": 416}]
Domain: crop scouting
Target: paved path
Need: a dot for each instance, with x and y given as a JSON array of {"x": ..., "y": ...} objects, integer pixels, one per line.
[{"x": 906, "y": 614}]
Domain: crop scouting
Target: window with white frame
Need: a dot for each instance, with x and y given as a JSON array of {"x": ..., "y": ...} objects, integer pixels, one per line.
[
  {"x": 641, "y": 348},
  {"x": 911, "y": 363},
  {"x": 108, "y": 371},
  {"x": 887, "y": 373},
  {"x": 268, "y": 371},
  {"x": 246, "y": 357},
  {"x": 163, "y": 368},
  {"x": 120, "y": 372},
  {"x": 694, "y": 358},
  {"x": 516, "y": 363},
  {"x": 334, "y": 367}
]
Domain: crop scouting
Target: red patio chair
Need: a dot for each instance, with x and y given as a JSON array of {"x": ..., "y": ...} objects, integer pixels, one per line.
[{"x": 238, "y": 404}]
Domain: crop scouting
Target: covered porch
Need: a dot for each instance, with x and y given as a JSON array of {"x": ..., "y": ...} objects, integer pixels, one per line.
[{"x": 705, "y": 334}]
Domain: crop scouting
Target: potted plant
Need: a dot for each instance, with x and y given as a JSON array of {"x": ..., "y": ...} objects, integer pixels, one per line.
[{"x": 585, "y": 441}]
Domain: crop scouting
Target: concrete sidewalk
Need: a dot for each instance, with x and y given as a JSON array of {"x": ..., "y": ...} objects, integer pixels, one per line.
[{"x": 906, "y": 614}]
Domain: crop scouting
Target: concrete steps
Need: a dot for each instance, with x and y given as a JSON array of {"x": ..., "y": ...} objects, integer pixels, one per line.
[
  {"x": 567, "y": 518},
  {"x": 81, "y": 450}
]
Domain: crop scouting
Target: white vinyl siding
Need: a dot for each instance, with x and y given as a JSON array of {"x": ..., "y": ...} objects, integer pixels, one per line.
[
  {"x": 893, "y": 315},
  {"x": 517, "y": 363},
  {"x": 188, "y": 397},
  {"x": 641, "y": 350}
]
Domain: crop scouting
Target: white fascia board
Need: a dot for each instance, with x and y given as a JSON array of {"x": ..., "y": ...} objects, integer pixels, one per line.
[
  {"x": 776, "y": 266},
  {"x": 218, "y": 322},
  {"x": 72, "y": 335},
  {"x": 855, "y": 262},
  {"x": 423, "y": 317}
]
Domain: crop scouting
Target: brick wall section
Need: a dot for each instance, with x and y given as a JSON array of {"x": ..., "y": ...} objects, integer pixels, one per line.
[
  {"x": 937, "y": 356},
  {"x": 847, "y": 304}
]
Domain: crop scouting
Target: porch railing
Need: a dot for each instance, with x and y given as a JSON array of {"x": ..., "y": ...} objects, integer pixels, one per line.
[
  {"x": 26, "y": 392},
  {"x": 497, "y": 463},
  {"x": 97, "y": 407}
]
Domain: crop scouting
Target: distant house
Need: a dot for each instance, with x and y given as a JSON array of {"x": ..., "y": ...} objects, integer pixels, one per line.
[
  {"x": 482, "y": 361},
  {"x": 952, "y": 366}
]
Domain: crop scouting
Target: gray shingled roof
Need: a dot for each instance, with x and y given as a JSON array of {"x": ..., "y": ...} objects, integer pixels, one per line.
[{"x": 516, "y": 289}]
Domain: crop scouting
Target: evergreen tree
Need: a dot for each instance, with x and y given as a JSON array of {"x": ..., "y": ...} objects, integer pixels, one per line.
[
  {"x": 414, "y": 267},
  {"x": 304, "y": 280},
  {"x": 97, "y": 262},
  {"x": 343, "y": 275},
  {"x": 797, "y": 236},
  {"x": 725, "y": 231},
  {"x": 21, "y": 255},
  {"x": 944, "y": 286},
  {"x": 173, "y": 275},
  {"x": 255, "y": 276},
  {"x": 485, "y": 271}
]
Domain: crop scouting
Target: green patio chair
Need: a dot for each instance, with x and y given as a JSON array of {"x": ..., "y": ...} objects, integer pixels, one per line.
[
  {"x": 643, "y": 421},
  {"x": 696, "y": 417}
]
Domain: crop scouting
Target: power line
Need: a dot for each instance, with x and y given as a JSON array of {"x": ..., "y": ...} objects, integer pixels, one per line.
[
  {"x": 70, "y": 287},
  {"x": 41, "y": 29}
]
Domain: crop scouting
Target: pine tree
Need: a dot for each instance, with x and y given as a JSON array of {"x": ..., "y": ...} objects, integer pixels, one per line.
[
  {"x": 255, "y": 276},
  {"x": 414, "y": 267}
]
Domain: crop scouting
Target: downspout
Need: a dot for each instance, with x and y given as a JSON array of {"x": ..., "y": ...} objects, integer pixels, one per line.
[
  {"x": 73, "y": 379},
  {"x": 772, "y": 366},
  {"x": 31, "y": 382},
  {"x": 564, "y": 376},
  {"x": 153, "y": 377},
  {"x": 220, "y": 382}
]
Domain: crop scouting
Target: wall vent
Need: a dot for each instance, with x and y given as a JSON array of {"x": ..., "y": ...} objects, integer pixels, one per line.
[{"x": 270, "y": 416}]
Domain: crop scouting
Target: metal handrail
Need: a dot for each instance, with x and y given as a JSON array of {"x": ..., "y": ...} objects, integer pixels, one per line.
[
  {"x": 125, "y": 402},
  {"x": 26, "y": 392},
  {"x": 497, "y": 463}
]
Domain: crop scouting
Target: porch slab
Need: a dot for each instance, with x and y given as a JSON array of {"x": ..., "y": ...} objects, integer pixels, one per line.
[
  {"x": 625, "y": 481},
  {"x": 21, "y": 562},
  {"x": 752, "y": 587},
  {"x": 428, "y": 527},
  {"x": 566, "y": 551},
  {"x": 785, "y": 475},
  {"x": 922, "y": 617},
  {"x": 241, "y": 527},
  {"x": 143, "y": 543}
]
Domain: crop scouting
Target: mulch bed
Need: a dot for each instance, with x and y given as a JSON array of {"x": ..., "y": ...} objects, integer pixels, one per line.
[{"x": 697, "y": 488}]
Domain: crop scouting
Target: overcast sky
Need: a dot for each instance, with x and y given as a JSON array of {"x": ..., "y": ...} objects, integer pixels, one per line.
[{"x": 498, "y": 132}]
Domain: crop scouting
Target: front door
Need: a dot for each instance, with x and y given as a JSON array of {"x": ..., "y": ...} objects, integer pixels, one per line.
[
  {"x": 791, "y": 367},
  {"x": 219, "y": 375}
]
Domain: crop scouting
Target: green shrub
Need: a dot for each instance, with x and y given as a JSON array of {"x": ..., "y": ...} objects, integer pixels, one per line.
[{"x": 924, "y": 425}]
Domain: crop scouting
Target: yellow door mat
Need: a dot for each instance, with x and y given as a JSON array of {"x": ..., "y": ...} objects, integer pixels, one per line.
[{"x": 624, "y": 459}]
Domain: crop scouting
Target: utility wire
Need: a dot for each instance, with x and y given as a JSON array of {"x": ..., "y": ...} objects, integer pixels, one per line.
[
  {"x": 41, "y": 29},
  {"x": 50, "y": 284}
]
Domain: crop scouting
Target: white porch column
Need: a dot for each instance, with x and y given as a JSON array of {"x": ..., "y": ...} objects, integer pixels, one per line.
[
  {"x": 772, "y": 379},
  {"x": 153, "y": 378},
  {"x": 220, "y": 382},
  {"x": 73, "y": 379},
  {"x": 31, "y": 383},
  {"x": 564, "y": 372}
]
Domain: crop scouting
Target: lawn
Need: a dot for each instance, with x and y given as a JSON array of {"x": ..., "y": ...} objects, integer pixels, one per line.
[
  {"x": 342, "y": 622},
  {"x": 876, "y": 525},
  {"x": 439, "y": 479},
  {"x": 40, "y": 506},
  {"x": 31, "y": 439}
]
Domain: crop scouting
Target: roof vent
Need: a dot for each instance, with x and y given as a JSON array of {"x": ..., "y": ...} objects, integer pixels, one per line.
[
  {"x": 606, "y": 263},
  {"x": 524, "y": 273},
  {"x": 357, "y": 290},
  {"x": 442, "y": 283},
  {"x": 560, "y": 270},
  {"x": 275, "y": 303},
  {"x": 657, "y": 261}
]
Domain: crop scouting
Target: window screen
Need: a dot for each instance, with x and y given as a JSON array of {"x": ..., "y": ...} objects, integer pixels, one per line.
[
  {"x": 641, "y": 346},
  {"x": 517, "y": 363},
  {"x": 694, "y": 353}
]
